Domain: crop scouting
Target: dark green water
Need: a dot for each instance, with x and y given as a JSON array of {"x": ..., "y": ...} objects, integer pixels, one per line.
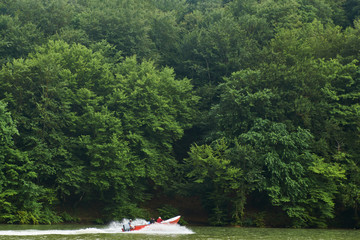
[{"x": 79, "y": 232}]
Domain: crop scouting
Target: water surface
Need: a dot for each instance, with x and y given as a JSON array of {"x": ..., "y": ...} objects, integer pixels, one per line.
[{"x": 156, "y": 232}]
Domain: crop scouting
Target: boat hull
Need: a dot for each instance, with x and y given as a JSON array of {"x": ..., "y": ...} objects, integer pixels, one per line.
[{"x": 173, "y": 220}]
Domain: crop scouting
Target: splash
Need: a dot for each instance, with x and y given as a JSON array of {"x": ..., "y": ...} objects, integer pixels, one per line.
[
  {"x": 166, "y": 229},
  {"x": 112, "y": 228},
  {"x": 152, "y": 228},
  {"x": 54, "y": 232}
]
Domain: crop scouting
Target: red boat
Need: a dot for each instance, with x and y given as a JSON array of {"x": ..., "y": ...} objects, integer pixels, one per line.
[{"x": 173, "y": 220}]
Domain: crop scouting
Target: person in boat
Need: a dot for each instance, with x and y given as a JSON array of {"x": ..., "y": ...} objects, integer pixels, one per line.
[
  {"x": 131, "y": 224},
  {"x": 128, "y": 226},
  {"x": 152, "y": 220},
  {"x": 159, "y": 220}
]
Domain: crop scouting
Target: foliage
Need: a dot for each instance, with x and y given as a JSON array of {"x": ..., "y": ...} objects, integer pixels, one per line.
[
  {"x": 78, "y": 127},
  {"x": 17, "y": 39},
  {"x": 22, "y": 201},
  {"x": 97, "y": 106},
  {"x": 221, "y": 181}
]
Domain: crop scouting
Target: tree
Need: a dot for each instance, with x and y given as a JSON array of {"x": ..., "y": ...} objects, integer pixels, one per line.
[
  {"x": 49, "y": 16},
  {"x": 96, "y": 130},
  {"x": 44, "y": 94},
  {"x": 22, "y": 201},
  {"x": 352, "y": 8},
  {"x": 342, "y": 93},
  {"x": 124, "y": 24},
  {"x": 215, "y": 46},
  {"x": 222, "y": 184},
  {"x": 297, "y": 180},
  {"x": 17, "y": 39},
  {"x": 155, "y": 109}
]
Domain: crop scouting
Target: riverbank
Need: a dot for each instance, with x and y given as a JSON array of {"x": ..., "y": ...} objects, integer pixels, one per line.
[{"x": 192, "y": 213}]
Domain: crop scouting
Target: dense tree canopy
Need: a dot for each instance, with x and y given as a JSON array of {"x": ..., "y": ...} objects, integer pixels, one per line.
[{"x": 250, "y": 106}]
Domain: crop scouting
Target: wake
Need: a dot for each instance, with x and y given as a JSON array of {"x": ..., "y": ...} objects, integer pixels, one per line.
[{"x": 112, "y": 228}]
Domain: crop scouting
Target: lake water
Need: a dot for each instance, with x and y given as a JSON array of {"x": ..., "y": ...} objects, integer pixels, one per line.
[{"x": 157, "y": 232}]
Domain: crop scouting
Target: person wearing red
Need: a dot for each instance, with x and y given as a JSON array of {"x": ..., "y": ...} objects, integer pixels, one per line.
[{"x": 159, "y": 220}]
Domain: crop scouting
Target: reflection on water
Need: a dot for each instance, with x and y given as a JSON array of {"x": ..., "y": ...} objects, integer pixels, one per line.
[
  {"x": 277, "y": 234},
  {"x": 158, "y": 232}
]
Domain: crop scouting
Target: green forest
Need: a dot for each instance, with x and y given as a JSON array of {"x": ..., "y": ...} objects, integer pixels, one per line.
[{"x": 250, "y": 108}]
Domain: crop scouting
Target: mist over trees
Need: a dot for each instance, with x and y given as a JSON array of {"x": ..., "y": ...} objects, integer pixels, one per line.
[{"x": 250, "y": 106}]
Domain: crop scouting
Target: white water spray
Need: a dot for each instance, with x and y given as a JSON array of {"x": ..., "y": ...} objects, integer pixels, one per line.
[
  {"x": 112, "y": 228},
  {"x": 167, "y": 229}
]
